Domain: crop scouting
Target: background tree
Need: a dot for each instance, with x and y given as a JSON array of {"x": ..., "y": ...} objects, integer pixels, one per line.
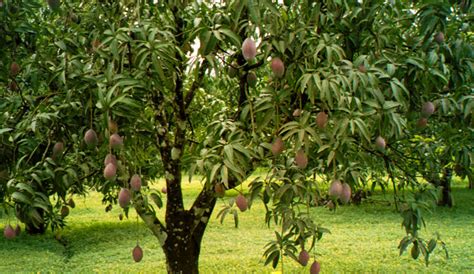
[{"x": 335, "y": 89}]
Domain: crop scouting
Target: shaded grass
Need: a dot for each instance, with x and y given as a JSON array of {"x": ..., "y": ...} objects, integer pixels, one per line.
[{"x": 364, "y": 239}]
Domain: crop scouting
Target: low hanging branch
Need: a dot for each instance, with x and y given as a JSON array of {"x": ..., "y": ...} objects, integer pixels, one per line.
[{"x": 150, "y": 219}]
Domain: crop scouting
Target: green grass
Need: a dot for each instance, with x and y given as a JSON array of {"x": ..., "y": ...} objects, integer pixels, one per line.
[{"x": 363, "y": 239}]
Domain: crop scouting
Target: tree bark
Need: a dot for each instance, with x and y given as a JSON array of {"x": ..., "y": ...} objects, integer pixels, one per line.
[
  {"x": 185, "y": 233},
  {"x": 445, "y": 183},
  {"x": 470, "y": 178},
  {"x": 181, "y": 248},
  {"x": 31, "y": 229},
  {"x": 181, "y": 238},
  {"x": 183, "y": 259}
]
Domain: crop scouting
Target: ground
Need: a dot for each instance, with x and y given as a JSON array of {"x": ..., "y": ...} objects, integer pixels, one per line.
[{"x": 363, "y": 239}]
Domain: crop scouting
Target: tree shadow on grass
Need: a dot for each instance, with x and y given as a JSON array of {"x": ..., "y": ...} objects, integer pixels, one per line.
[
  {"x": 383, "y": 205},
  {"x": 33, "y": 243},
  {"x": 96, "y": 237}
]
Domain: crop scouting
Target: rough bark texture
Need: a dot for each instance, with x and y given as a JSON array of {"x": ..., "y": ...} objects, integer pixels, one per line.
[
  {"x": 185, "y": 233},
  {"x": 181, "y": 238},
  {"x": 181, "y": 248}
]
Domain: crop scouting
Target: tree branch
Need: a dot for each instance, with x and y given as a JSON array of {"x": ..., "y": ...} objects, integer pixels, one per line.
[
  {"x": 392, "y": 178},
  {"x": 253, "y": 66},
  {"x": 202, "y": 209},
  {"x": 150, "y": 219},
  {"x": 197, "y": 82},
  {"x": 204, "y": 205},
  {"x": 172, "y": 167}
]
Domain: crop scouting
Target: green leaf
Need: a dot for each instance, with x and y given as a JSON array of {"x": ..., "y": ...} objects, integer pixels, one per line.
[
  {"x": 254, "y": 11},
  {"x": 236, "y": 218},
  {"x": 3, "y": 130},
  {"x": 437, "y": 73},
  {"x": 431, "y": 245},
  {"x": 276, "y": 259},
  {"x": 20, "y": 197},
  {"x": 237, "y": 171},
  {"x": 234, "y": 38},
  {"x": 225, "y": 175},
  {"x": 404, "y": 244},
  {"x": 272, "y": 256},
  {"x": 61, "y": 45},
  {"x": 28, "y": 188},
  {"x": 207, "y": 42},
  {"x": 372, "y": 103},
  {"x": 36, "y": 178},
  {"x": 157, "y": 200},
  {"x": 323, "y": 148},
  {"x": 331, "y": 156},
  {"x": 362, "y": 129},
  {"x": 303, "y": 82},
  {"x": 390, "y": 105},
  {"x": 229, "y": 152},
  {"x": 289, "y": 252},
  {"x": 37, "y": 219},
  {"x": 41, "y": 204},
  {"x": 222, "y": 214},
  {"x": 415, "y": 63},
  {"x": 415, "y": 251},
  {"x": 212, "y": 175}
]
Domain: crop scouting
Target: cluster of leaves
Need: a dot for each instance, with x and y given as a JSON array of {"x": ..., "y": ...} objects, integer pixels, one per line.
[
  {"x": 52, "y": 100},
  {"x": 36, "y": 118},
  {"x": 413, "y": 221},
  {"x": 370, "y": 67}
]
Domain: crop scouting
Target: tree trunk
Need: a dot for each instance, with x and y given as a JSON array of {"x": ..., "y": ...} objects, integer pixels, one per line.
[
  {"x": 182, "y": 236},
  {"x": 33, "y": 230},
  {"x": 185, "y": 231},
  {"x": 185, "y": 262},
  {"x": 470, "y": 177},
  {"x": 445, "y": 183},
  {"x": 182, "y": 252},
  {"x": 31, "y": 227}
]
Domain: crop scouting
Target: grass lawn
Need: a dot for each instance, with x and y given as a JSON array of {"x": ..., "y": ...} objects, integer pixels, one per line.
[{"x": 364, "y": 239}]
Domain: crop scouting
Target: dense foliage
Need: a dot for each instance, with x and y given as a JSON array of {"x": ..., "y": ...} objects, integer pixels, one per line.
[{"x": 358, "y": 93}]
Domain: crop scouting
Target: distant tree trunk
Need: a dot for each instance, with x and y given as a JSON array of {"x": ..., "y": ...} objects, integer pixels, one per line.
[
  {"x": 445, "y": 183},
  {"x": 35, "y": 230},
  {"x": 470, "y": 177},
  {"x": 32, "y": 228}
]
